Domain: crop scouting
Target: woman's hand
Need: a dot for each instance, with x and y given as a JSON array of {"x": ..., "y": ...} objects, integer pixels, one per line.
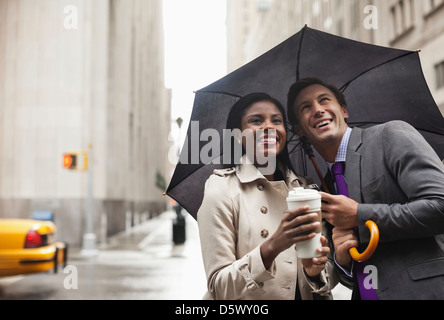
[
  {"x": 296, "y": 226},
  {"x": 314, "y": 266}
]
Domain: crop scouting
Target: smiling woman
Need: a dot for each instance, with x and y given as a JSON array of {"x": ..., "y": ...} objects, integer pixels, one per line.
[
  {"x": 246, "y": 229},
  {"x": 260, "y": 121},
  {"x": 265, "y": 122}
]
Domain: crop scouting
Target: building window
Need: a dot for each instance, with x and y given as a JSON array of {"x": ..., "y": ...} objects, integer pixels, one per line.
[
  {"x": 355, "y": 19},
  {"x": 402, "y": 13},
  {"x": 435, "y": 3},
  {"x": 264, "y": 5},
  {"x": 430, "y": 6},
  {"x": 340, "y": 28},
  {"x": 439, "y": 74}
]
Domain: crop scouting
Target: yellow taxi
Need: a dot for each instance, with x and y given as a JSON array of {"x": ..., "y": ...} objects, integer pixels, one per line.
[{"x": 28, "y": 246}]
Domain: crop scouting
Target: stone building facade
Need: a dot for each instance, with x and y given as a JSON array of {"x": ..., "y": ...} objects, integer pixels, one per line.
[
  {"x": 404, "y": 24},
  {"x": 75, "y": 74}
]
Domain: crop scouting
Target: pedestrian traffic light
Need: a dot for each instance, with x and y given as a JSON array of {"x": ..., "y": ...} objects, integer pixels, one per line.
[
  {"x": 70, "y": 160},
  {"x": 76, "y": 160}
]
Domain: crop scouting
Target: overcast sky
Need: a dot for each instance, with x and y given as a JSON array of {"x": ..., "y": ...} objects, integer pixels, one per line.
[{"x": 195, "y": 49}]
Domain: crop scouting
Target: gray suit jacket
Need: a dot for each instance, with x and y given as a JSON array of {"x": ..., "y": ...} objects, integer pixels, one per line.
[{"x": 399, "y": 182}]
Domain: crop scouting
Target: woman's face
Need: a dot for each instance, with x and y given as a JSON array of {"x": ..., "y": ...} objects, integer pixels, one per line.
[{"x": 263, "y": 124}]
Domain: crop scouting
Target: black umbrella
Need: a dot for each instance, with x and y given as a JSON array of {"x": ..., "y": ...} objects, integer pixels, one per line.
[{"x": 380, "y": 84}]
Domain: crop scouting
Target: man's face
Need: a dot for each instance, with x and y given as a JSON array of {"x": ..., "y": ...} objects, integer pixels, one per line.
[{"x": 321, "y": 118}]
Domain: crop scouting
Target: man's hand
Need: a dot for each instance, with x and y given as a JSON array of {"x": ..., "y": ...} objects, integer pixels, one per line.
[
  {"x": 343, "y": 241},
  {"x": 339, "y": 211}
]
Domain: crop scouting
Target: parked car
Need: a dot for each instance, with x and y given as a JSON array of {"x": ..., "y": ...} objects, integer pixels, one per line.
[{"x": 28, "y": 246}]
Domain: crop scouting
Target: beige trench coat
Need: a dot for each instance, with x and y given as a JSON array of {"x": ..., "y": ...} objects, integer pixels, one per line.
[{"x": 240, "y": 210}]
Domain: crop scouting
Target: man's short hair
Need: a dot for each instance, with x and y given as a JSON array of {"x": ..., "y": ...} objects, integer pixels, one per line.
[{"x": 300, "y": 85}]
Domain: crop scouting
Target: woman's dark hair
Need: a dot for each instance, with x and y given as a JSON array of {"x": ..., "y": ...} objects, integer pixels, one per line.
[
  {"x": 235, "y": 122},
  {"x": 300, "y": 85}
]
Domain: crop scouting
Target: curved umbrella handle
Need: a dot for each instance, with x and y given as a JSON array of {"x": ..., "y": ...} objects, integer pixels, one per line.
[{"x": 374, "y": 240}]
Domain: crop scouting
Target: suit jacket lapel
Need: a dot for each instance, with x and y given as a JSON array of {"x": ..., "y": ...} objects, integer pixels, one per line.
[{"x": 353, "y": 165}]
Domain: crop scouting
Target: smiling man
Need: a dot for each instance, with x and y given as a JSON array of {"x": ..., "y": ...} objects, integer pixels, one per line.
[
  {"x": 388, "y": 174},
  {"x": 322, "y": 118}
]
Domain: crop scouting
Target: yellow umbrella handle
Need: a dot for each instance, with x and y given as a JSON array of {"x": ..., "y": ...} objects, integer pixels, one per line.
[{"x": 374, "y": 240}]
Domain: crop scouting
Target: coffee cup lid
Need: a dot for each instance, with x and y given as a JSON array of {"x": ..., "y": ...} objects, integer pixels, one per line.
[{"x": 300, "y": 194}]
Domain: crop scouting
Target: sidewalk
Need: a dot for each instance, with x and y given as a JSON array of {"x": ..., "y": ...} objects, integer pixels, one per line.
[
  {"x": 139, "y": 264},
  {"x": 161, "y": 270},
  {"x": 176, "y": 271},
  {"x": 181, "y": 272}
]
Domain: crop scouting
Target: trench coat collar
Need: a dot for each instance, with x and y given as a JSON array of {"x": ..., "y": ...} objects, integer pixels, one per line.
[{"x": 247, "y": 173}]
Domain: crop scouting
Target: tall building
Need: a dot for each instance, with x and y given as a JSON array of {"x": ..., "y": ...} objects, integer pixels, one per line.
[
  {"x": 241, "y": 20},
  {"x": 75, "y": 74},
  {"x": 404, "y": 24}
]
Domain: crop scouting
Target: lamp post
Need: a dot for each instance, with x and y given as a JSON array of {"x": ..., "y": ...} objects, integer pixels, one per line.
[
  {"x": 82, "y": 161},
  {"x": 89, "y": 248},
  {"x": 179, "y": 234}
]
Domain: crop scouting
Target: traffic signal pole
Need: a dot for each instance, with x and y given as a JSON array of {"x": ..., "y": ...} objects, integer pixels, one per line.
[{"x": 89, "y": 248}]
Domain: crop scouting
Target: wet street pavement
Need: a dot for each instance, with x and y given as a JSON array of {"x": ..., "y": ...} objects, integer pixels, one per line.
[{"x": 140, "y": 264}]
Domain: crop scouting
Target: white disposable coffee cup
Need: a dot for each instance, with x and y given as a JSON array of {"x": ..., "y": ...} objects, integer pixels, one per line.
[{"x": 300, "y": 197}]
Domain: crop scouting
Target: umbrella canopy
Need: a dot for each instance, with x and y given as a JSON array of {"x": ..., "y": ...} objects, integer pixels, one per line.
[{"x": 380, "y": 85}]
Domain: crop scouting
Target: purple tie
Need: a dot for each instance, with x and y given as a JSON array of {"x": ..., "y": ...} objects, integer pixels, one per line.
[{"x": 338, "y": 170}]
